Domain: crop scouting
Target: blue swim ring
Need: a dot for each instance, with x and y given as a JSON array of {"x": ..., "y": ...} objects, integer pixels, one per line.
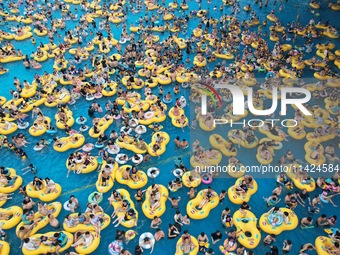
[
  {"x": 81, "y": 122},
  {"x": 270, "y": 75},
  {"x": 323, "y": 200},
  {"x": 166, "y": 102},
  {"x": 279, "y": 218},
  {"x": 83, "y": 128},
  {"x": 99, "y": 145}
]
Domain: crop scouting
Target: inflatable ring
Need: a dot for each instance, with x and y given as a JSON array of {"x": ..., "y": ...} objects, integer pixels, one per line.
[
  {"x": 140, "y": 159},
  {"x": 149, "y": 115},
  {"x": 167, "y": 102},
  {"x": 78, "y": 121},
  {"x": 122, "y": 162},
  {"x": 322, "y": 243},
  {"x": 133, "y": 125},
  {"x": 115, "y": 150},
  {"x": 5, "y": 247},
  {"x": 122, "y": 41},
  {"x": 98, "y": 95},
  {"x": 65, "y": 243},
  {"x": 273, "y": 216},
  {"x": 115, "y": 247},
  {"x": 192, "y": 206},
  {"x": 87, "y": 149},
  {"x": 116, "y": 117},
  {"x": 133, "y": 184},
  {"x": 91, "y": 197},
  {"x": 194, "y": 181},
  {"x": 122, "y": 130},
  {"x": 249, "y": 236},
  {"x": 270, "y": 75},
  {"x": 23, "y": 125},
  {"x": 89, "y": 97},
  {"x": 130, "y": 234},
  {"x": 178, "y": 173},
  {"x": 179, "y": 247},
  {"x": 99, "y": 145},
  {"x": 140, "y": 129},
  {"x": 147, "y": 235},
  {"x": 66, "y": 206},
  {"x": 15, "y": 213},
  {"x": 274, "y": 223},
  {"x": 323, "y": 200},
  {"x": 278, "y": 146},
  {"x": 207, "y": 179},
  {"x": 185, "y": 85},
  {"x": 83, "y": 128},
  {"x": 35, "y": 148},
  {"x": 153, "y": 175}
]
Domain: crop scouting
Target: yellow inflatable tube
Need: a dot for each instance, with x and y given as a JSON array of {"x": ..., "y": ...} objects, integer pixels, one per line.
[
  {"x": 262, "y": 160},
  {"x": 308, "y": 148},
  {"x": 297, "y": 136},
  {"x": 194, "y": 182},
  {"x": 55, "y": 207},
  {"x": 199, "y": 63},
  {"x": 5, "y": 249},
  {"x": 194, "y": 251},
  {"x": 82, "y": 249},
  {"x": 41, "y": 194},
  {"x": 203, "y": 213},
  {"x": 222, "y": 145},
  {"x": 322, "y": 243},
  {"x": 85, "y": 170},
  {"x": 44, "y": 249},
  {"x": 103, "y": 125},
  {"x": 275, "y": 223},
  {"x": 69, "y": 144},
  {"x": 300, "y": 185},
  {"x": 236, "y": 170},
  {"x": 157, "y": 118},
  {"x": 130, "y": 145},
  {"x": 175, "y": 122},
  {"x": 249, "y": 236},
  {"x": 210, "y": 161},
  {"x": 12, "y": 129},
  {"x": 243, "y": 143},
  {"x": 110, "y": 182},
  {"x": 239, "y": 199},
  {"x": 270, "y": 135},
  {"x": 15, "y": 213},
  {"x": 14, "y": 186},
  {"x": 164, "y": 193},
  {"x": 69, "y": 122},
  {"x": 142, "y": 178},
  {"x": 117, "y": 204},
  {"x": 162, "y": 149},
  {"x": 87, "y": 227}
]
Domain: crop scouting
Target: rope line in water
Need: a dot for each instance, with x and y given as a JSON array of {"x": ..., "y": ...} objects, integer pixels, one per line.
[{"x": 79, "y": 189}]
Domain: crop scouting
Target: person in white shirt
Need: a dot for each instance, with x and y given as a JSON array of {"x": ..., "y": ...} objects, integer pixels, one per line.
[
  {"x": 50, "y": 185},
  {"x": 95, "y": 222},
  {"x": 31, "y": 244},
  {"x": 85, "y": 240},
  {"x": 70, "y": 221}
]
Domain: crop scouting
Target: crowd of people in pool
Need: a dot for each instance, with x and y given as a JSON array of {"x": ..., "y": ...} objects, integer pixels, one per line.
[{"x": 216, "y": 36}]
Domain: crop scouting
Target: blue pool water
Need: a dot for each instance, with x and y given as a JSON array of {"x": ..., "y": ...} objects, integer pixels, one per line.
[{"x": 52, "y": 164}]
